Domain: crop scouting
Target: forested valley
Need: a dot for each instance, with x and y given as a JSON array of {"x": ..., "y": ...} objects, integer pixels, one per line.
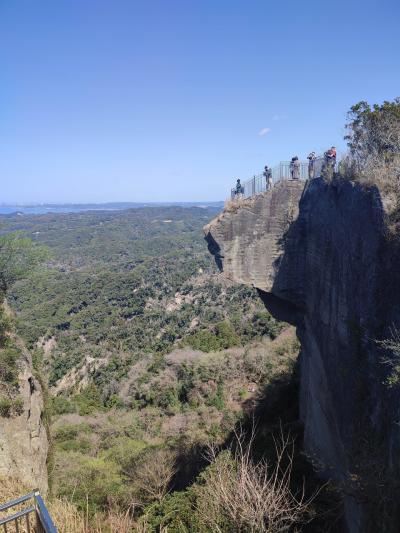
[{"x": 155, "y": 366}]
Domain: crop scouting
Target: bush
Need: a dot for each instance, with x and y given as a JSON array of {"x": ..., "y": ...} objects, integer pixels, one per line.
[
  {"x": 5, "y": 325},
  {"x": 217, "y": 400},
  {"x": 8, "y": 365},
  {"x": 9, "y": 407},
  {"x": 122, "y": 451},
  {"x": 152, "y": 473},
  {"x": 237, "y": 494},
  {"x": 392, "y": 347},
  {"x": 88, "y": 401},
  {"x": 90, "y": 479},
  {"x": 5, "y": 407},
  {"x": 59, "y": 405},
  {"x": 205, "y": 340},
  {"x": 18, "y": 406},
  {"x": 175, "y": 513}
]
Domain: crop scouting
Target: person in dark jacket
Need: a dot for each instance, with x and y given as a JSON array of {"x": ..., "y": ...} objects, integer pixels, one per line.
[
  {"x": 239, "y": 188},
  {"x": 295, "y": 168},
  {"x": 268, "y": 177},
  {"x": 311, "y": 165}
]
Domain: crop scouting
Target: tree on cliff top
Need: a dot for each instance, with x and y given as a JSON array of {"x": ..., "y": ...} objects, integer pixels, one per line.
[
  {"x": 374, "y": 130},
  {"x": 373, "y": 138}
]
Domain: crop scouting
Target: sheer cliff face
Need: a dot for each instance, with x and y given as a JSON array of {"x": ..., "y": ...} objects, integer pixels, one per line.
[
  {"x": 320, "y": 260},
  {"x": 23, "y": 438}
]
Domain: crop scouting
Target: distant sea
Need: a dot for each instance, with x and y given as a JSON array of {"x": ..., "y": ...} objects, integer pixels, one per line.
[
  {"x": 76, "y": 208},
  {"x": 40, "y": 209}
]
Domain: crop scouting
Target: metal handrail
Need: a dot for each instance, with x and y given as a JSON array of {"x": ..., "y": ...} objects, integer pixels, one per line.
[
  {"x": 258, "y": 184},
  {"x": 16, "y": 501},
  {"x": 38, "y": 509}
]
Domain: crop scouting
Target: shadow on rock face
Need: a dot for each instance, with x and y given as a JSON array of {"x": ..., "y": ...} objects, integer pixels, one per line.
[{"x": 214, "y": 250}]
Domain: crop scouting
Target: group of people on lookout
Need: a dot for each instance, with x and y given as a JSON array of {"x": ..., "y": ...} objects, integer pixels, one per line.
[{"x": 329, "y": 162}]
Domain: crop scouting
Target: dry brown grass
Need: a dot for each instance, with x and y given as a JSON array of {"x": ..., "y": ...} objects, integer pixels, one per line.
[
  {"x": 233, "y": 204},
  {"x": 69, "y": 519},
  {"x": 10, "y": 489},
  {"x": 66, "y": 516},
  {"x": 374, "y": 170}
]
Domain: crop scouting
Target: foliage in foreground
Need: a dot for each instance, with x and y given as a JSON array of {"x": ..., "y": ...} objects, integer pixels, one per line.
[{"x": 234, "y": 493}]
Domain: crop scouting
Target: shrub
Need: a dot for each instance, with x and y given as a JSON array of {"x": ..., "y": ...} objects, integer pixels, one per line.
[
  {"x": 59, "y": 405},
  {"x": 5, "y": 325},
  {"x": 79, "y": 444},
  {"x": 5, "y": 407},
  {"x": 217, "y": 400},
  {"x": 264, "y": 323},
  {"x": 205, "y": 340},
  {"x": 9, "y": 365},
  {"x": 90, "y": 480},
  {"x": 122, "y": 451},
  {"x": 114, "y": 401},
  {"x": 392, "y": 345},
  {"x": 88, "y": 401},
  {"x": 237, "y": 494},
  {"x": 11, "y": 407},
  {"x": 174, "y": 513},
  {"x": 152, "y": 474},
  {"x": 18, "y": 406}
]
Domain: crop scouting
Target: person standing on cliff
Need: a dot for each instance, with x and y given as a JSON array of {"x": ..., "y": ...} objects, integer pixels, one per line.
[
  {"x": 295, "y": 168},
  {"x": 268, "y": 177},
  {"x": 333, "y": 157},
  {"x": 330, "y": 157},
  {"x": 311, "y": 165},
  {"x": 239, "y": 188}
]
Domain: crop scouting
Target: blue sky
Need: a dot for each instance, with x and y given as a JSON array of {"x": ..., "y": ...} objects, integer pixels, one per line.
[{"x": 152, "y": 100}]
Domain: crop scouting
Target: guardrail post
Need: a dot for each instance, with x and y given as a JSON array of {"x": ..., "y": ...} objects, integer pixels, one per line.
[{"x": 45, "y": 520}]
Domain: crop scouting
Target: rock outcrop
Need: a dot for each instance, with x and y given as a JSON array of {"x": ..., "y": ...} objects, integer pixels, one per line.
[
  {"x": 23, "y": 438},
  {"x": 322, "y": 260}
]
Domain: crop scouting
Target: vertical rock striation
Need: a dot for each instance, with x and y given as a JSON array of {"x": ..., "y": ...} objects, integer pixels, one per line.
[
  {"x": 321, "y": 259},
  {"x": 23, "y": 438}
]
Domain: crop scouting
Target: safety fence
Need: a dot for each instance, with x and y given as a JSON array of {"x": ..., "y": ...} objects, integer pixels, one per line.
[
  {"x": 28, "y": 514},
  {"x": 258, "y": 183}
]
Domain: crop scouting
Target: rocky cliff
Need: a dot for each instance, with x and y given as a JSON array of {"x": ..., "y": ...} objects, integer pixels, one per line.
[
  {"x": 321, "y": 258},
  {"x": 23, "y": 437}
]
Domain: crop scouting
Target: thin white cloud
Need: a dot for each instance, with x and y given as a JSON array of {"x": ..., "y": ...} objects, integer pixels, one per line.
[
  {"x": 264, "y": 131},
  {"x": 279, "y": 117}
]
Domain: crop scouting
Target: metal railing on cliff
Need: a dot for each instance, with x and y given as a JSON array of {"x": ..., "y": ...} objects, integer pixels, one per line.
[
  {"x": 258, "y": 184},
  {"x": 33, "y": 518}
]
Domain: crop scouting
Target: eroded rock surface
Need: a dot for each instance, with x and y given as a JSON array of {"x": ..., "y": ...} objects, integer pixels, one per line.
[
  {"x": 321, "y": 259},
  {"x": 23, "y": 438}
]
